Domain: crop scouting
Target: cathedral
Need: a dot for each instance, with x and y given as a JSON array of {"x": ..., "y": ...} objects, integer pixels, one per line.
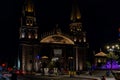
[{"x": 67, "y": 51}]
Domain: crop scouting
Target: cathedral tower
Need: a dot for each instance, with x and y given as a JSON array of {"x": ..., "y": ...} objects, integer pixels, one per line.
[
  {"x": 28, "y": 29},
  {"x": 79, "y": 37},
  {"x": 76, "y": 30}
]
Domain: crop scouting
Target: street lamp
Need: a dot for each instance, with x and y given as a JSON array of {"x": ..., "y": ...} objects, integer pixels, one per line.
[
  {"x": 71, "y": 61},
  {"x": 44, "y": 65},
  {"x": 113, "y": 47}
]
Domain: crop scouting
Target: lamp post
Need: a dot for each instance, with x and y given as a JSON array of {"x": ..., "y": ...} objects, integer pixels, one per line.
[
  {"x": 71, "y": 66},
  {"x": 113, "y": 47},
  {"x": 44, "y": 65}
]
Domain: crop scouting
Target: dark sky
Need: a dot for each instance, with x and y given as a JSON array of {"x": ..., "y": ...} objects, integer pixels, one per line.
[{"x": 100, "y": 19}]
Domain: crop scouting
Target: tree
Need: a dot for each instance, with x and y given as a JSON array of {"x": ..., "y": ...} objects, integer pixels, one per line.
[
  {"x": 88, "y": 65},
  {"x": 112, "y": 56}
]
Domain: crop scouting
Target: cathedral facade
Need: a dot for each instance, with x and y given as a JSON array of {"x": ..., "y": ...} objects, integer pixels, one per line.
[{"x": 67, "y": 51}]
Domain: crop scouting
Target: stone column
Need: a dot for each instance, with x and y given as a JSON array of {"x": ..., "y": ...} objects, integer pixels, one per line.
[{"x": 76, "y": 59}]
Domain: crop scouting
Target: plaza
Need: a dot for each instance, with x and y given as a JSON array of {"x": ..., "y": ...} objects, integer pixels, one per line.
[{"x": 97, "y": 75}]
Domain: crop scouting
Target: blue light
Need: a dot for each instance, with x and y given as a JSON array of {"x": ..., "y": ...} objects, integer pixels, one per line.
[{"x": 38, "y": 57}]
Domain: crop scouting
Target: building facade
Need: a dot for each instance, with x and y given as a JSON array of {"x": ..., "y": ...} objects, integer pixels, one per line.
[{"x": 67, "y": 51}]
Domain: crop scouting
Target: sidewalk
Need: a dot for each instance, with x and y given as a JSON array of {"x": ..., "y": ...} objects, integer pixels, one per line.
[
  {"x": 95, "y": 77},
  {"x": 98, "y": 74},
  {"x": 64, "y": 77}
]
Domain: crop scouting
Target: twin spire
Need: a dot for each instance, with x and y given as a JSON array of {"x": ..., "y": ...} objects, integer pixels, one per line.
[
  {"x": 29, "y": 20},
  {"x": 75, "y": 14},
  {"x": 29, "y": 6}
]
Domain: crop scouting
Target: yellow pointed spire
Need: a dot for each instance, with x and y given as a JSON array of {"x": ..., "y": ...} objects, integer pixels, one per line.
[
  {"x": 29, "y": 7},
  {"x": 75, "y": 14}
]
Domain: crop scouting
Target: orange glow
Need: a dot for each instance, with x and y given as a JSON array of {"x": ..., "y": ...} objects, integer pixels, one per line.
[
  {"x": 30, "y": 10},
  {"x": 3, "y": 65},
  {"x": 78, "y": 17}
]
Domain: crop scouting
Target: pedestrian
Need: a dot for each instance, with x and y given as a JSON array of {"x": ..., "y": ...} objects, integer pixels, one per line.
[{"x": 103, "y": 78}]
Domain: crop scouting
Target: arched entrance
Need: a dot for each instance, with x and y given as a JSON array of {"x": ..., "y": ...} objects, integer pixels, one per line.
[{"x": 58, "y": 48}]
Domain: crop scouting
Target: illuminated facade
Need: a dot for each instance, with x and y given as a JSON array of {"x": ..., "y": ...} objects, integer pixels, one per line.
[{"x": 37, "y": 51}]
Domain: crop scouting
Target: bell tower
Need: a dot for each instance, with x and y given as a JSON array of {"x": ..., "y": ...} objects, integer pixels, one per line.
[
  {"x": 76, "y": 30},
  {"x": 78, "y": 36},
  {"x": 28, "y": 36},
  {"x": 28, "y": 29}
]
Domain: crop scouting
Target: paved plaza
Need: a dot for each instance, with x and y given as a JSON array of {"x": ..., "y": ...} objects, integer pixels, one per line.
[
  {"x": 95, "y": 76},
  {"x": 64, "y": 77}
]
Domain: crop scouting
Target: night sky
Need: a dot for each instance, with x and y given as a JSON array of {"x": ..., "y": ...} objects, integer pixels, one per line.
[{"x": 100, "y": 18}]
